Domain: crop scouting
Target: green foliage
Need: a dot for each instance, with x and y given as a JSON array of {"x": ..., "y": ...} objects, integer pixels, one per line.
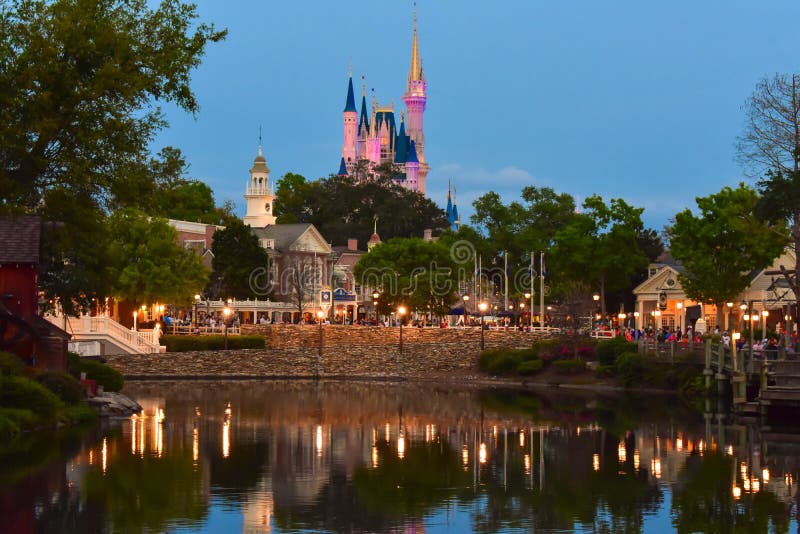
[
  {"x": 629, "y": 367},
  {"x": 82, "y": 90},
  {"x": 199, "y": 343},
  {"x": 569, "y": 367},
  {"x": 10, "y": 364},
  {"x": 9, "y": 429},
  {"x": 529, "y": 367},
  {"x": 62, "y": 384},
  {"x": 148, "y": 263},
  {"x": 722, "y": 245},
  {"x": 608, "y": 350},
  {"x": 104, "y": 375},
  {"x": 20, "y": 392},
  {"x": 413, "y": 272},
  {"x": 79, "y": 414},
  {"x": 498, "y": 362},
  {"x": 237, "y": 254},
  {"x": 342, "y": 207},
  {"x": 74, "y": 364}
]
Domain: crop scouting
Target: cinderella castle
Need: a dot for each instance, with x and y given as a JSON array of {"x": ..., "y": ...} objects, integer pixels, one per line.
[{"x": 373, "y": 138}]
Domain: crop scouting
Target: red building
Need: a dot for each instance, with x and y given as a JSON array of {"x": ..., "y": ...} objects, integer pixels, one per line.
[{"x": 22, "y": 331}]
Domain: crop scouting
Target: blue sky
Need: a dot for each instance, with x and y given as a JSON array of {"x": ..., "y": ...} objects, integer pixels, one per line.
[{"x": 624, "y": 98}]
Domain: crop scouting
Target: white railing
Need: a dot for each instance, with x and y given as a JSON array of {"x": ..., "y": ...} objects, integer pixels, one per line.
[{"x": 88, "y": 328}]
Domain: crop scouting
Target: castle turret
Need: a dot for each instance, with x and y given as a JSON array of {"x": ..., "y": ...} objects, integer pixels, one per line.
[
  {"x": 412, "y": 170},
  {"x": 363, "y": 126},
  {"x": 258, "y": 194},
  {"x": 350, "y": 118},
  {"x": 415, "y": 99}
]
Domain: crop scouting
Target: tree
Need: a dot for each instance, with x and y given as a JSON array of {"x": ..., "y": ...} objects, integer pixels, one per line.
[
  {"x": 723, "y": 244},
  {"x": 780, "y": 202},
  {"x": 300, "y": 277},
  {"x": 238, "y": 259},
  {"x": 600, "y": 246},
  {"x": 771, "y": 138},
  {"x": 342, "y": 207},
  {"x": 80, "y": 85},
  {"x": 411, "y": 271},
  {"x": 146, "y": 262}
]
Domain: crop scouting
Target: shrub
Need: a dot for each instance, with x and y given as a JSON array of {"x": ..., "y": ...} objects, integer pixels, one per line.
[
  {"x": 106, "y": 376},
  {"x": 8, "y": 428},
  {"x": 569, "y": 367},
  {"x": 10, "y": 364},
  {"x": 62, "y": 384},
  {"x": 501, "y": 363},
  {"x": 629, "y": 367},
  {"x": 216, "y": 342},
  {"x": 530, "y": 367},
  {"x": 608, "y": 351},
  {"x": 74, "y": 364},
  {"x": 22, "y": 418},
  {"x": 79, "y": 414},
  {"x": 20, "y": 392}
]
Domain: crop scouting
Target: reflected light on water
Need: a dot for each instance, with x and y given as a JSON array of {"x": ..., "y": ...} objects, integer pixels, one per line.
[
  {"x": 679, "y": 444},
  {"x": 656, "y": 467},
  {"x": 91, "y": 457},
  {"x": 319, "y": 440},
  {"x": 104, "y": 456},
  {"x": 756, "y": 485},
  {"x": 729, "y": 450},
  {"x": 195, "y": 445},
  {"x": 596, "y": 462},
  {"x": 226, "y": 439},
  {"x": 134, "y": 420},
  {"x": 482, "y": 454},
  {"x": 388, "y": 435},
  {"x": 465, "y": 455},
  {"x": 737, "y": 492},
  {"x": 622, "y": 454},
  {"x": 526, "y": 461},
  {"x": 746, "y": 484},
  {"x": 522, "y": 438},
  {"x": 401, "y": 446},
  {"x": 374, "y": 456},
  {"x": 765, "y": 475},
  {"x": 636, "y": 458}
]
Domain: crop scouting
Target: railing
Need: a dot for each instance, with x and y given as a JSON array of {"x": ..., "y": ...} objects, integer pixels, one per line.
[
  {"x": 141, "y": 341},
  {"x": 201, "y": 330}
]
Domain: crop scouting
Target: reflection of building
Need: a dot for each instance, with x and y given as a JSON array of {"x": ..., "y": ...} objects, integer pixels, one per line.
[{"x": 661, "y": 301}]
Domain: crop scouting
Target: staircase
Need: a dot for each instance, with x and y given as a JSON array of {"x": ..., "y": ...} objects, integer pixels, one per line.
[
  {"x": 786, "y": 390},
  {"x": 115, "y": 338}
]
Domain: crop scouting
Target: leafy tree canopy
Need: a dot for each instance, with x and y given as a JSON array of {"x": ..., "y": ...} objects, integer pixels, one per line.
[
  {"x": 147, "y": 263},
  {"x": 239, "y": 263},
  {"x": 723, "y": 243},
  {"x": 342, "y": 207}
]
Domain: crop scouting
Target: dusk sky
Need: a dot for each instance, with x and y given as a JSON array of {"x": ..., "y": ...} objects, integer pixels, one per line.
[{"x": 632, "y": 99}]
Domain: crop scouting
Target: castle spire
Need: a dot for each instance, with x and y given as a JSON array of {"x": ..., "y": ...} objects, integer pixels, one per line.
[
  {"x": 350, "y": 104},
  {"x": 260, "y": 152},
  {"x": 415, "y": 73}
]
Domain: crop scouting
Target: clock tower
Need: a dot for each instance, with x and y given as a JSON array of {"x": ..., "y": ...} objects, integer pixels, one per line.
[{"x": 259, "y": 195}]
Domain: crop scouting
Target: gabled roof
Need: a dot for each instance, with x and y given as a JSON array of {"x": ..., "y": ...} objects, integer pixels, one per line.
[
  {"x": 659, "y": 281},
  {"x": 286, "y": 236},
  {"x": 20, "y": 235},
  {"x": 350, "y": 105}
]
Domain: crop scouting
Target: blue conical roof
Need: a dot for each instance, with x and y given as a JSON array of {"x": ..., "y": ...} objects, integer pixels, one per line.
[
  {"x": 450, "y": 218},
  {"x": 401, "y": 147},
  {"x": 412, "y": 153},
  {"x": 350, "y": 105},
  {"x": 342, "y": 168},
  {"x": 363, "y": 122}
]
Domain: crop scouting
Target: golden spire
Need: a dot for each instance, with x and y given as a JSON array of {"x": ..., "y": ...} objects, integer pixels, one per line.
[{"x": 416, "y": 65}]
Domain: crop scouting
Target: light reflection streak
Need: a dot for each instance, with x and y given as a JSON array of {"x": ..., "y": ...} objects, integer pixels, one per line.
[
  {"x": 195, "y": 445},
  {"x": 596, "y": 462},
  {"x": 319, "y": 440},
  {"x": 482, "y": 454},
  {"x": 104, "y": 456}
]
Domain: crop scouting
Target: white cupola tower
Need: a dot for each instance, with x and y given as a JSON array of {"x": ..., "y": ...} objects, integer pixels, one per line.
[{"x": 259, "y": 195}]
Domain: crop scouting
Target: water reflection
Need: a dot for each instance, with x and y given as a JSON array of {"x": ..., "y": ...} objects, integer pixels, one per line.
[{"x": 282, "y": 457}]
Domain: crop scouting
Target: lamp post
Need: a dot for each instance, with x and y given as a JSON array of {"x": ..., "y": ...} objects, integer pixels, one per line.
[
  {"x": 466, "y": 301},
  {"x": 375, "y": 296},
  {"x": 194, "y": 317},
  {"x": 730, "y": 315},
  {"x": 135, "y": 313},
  {"x": 401, "y": 311},
  {"x": 482, "y": 307},
  {"x": 743, "y": 308},
  {"x": 636, "y": 320},
  {"x": 679, "y": 306},
  {"x": 226, "y": 313},
  {"x": 764, "y": 315},
  {"x": 530, "y": 313}
]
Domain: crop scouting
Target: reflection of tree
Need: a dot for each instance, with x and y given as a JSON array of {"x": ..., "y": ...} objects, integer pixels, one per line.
[
  {"x": 148, "y": 493},
  {"x": 703, "y": 500},
  {"x": 241, "y": 471}
]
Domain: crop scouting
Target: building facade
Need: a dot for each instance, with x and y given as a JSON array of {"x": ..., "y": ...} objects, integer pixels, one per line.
[{"x": 372, "y": 137}]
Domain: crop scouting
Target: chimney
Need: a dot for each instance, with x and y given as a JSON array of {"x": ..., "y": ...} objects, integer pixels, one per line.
[
  {"x": 352, "y": 244},
  {"x": 427, "y": 234}
]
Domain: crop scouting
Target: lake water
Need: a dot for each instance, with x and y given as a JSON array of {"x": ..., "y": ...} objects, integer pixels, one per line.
[{"x": 279, "y": 456}]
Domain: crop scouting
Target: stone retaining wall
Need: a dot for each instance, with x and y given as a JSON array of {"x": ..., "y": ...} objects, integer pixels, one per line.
[
  {"x": 280, "y": 336},
  {"x": 351, "y": 356}
]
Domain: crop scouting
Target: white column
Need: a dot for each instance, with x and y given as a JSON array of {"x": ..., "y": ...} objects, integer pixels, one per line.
[{"x": 640, "y": 319}]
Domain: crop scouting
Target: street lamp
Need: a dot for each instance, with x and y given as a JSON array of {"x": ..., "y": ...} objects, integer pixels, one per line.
[
  {"x": 401, "y": 311},
  {"x": 226, "y": 313},
  {"x": 466, "y": 302},
  {"x": 375, "y": 296},
  {"x": 730, "y": 315},
  {"x": 482, "y": 307},
  {"x": 196, "y": 302},
  {"x": 135, "y": 313},
  {"x": 636, "y": 320},
  {"x": 530, "y": 314},
  {"x": 320, "y": 316}
]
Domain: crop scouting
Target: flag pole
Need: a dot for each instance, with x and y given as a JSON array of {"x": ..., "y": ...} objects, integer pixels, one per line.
[{"x": 541, "y": 286}]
